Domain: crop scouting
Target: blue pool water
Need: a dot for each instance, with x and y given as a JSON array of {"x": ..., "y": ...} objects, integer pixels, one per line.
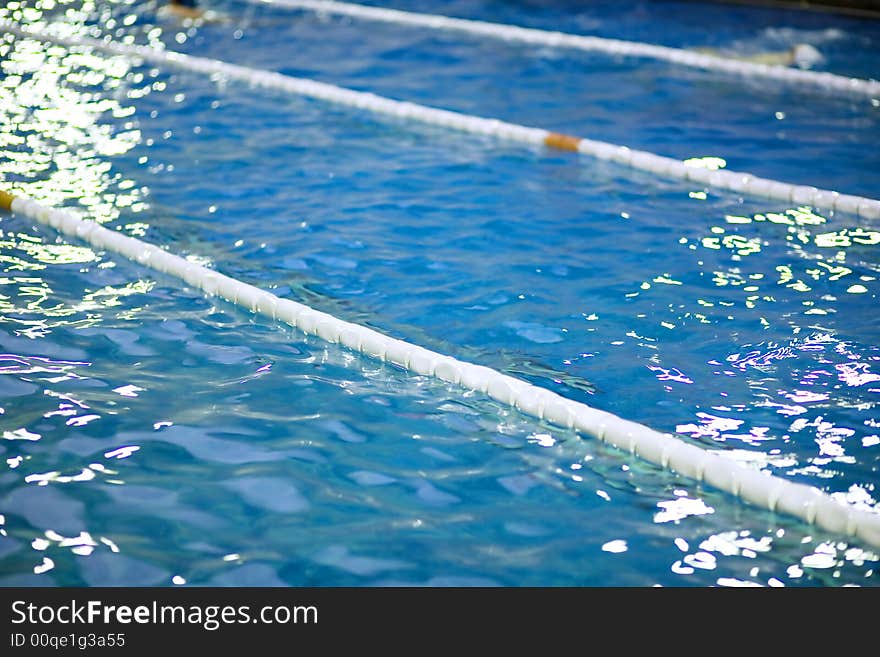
[{"x": 156, "y": 436}]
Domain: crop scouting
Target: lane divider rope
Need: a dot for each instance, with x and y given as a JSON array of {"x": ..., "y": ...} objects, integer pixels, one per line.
[
  {"x": 531, "y": 36},
  {"x": 756, "y": 487},
  {"x": 742, "y": 183}
]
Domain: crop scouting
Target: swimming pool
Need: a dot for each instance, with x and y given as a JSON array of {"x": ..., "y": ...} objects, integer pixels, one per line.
[{"x": 195, "y": 443}]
